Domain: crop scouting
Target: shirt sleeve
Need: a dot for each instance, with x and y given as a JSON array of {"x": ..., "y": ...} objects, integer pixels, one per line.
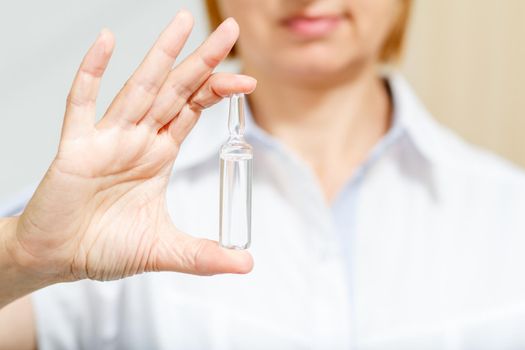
[
  {"x": 15, "y": 205},
  {"x": 77, "y": 315}
]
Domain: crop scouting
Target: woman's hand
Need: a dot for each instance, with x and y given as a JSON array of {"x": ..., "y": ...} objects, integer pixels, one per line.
[{"x": 100, "y": 212}]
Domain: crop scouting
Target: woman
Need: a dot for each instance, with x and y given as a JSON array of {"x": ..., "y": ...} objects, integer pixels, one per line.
[{"x": 372, "y": 226}]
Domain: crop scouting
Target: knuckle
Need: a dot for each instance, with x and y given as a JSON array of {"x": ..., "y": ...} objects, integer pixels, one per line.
[
  {"x": 211, "y": 61},
  {"x": 193, "y": 256},
  {"x": 204, "y": 98},
  {"x": 94, "y": 71},
  {"x": 198, "y": 266},
  {"x": 182, "y": 90},
  {"x": 169, "y": 51},
  {"x": 77, "y": 101},
  {"x": 196, "y": 105},
  {"x": 146, "y": 85}
]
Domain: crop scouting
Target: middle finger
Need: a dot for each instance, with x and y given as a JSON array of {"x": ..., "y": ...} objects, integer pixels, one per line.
[{"x": 187, "y": 77}]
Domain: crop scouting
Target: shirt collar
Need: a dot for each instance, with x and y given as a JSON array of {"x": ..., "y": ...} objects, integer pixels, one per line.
[
  {"x": 410, "y": 119},
  {"x": 424, "y": 133}
]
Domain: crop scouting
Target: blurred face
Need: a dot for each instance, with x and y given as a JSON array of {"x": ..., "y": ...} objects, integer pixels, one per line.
[{"x": 310, "y": 39}]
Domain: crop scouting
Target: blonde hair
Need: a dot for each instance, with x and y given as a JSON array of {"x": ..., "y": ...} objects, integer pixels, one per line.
[{"x": 392, "y": 47}]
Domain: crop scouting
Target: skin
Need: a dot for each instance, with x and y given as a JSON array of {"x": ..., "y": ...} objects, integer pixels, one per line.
[
  {"x": 328, "y": 89},
  {"x": 110, "y": 178},
  {"x": 100, "y": 212}
]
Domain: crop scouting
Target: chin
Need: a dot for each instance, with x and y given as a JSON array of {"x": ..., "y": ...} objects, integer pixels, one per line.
[{"x": 318, "y": 65}]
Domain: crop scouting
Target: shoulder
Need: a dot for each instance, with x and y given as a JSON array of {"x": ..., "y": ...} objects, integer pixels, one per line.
[
  {"x": 476, "y": 163},
  {"x": 454, "y": 160},
  {"x": 482, "y": 173},
  {"x": 485, "y": 187}
]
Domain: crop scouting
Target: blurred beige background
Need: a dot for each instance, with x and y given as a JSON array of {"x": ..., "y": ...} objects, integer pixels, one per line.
[
  {"x": 464, "y": 57},
  {"x": 466, "y": 60}
]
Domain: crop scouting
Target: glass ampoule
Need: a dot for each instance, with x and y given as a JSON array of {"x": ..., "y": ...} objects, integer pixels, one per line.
[{"x": 236, "y": 181}]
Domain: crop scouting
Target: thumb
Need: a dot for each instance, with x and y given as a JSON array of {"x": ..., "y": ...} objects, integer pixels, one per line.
[{"x": 183, "y": 253}]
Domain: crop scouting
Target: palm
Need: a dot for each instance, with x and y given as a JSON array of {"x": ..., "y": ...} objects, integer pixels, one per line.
[
  {"x": 100, "y": 211},
  {"x": 115, "y": 155},
  {"x": 124, "y": 174}
]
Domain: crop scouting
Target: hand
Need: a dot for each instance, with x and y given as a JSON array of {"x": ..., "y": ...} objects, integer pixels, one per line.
[{"x": 100, "y": 211}]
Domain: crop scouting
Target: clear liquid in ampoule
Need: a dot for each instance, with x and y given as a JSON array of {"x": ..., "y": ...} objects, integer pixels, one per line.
[
  {"x": 236, "y": 182},
  {"x": 236, "y": 198}
]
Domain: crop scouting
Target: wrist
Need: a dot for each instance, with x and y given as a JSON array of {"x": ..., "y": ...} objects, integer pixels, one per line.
[
  {"x": 8, "y": 228},
  {"x": 16, "y": 280}
]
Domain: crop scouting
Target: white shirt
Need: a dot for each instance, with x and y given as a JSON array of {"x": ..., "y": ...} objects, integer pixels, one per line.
[{"x": 423, "y": 249}]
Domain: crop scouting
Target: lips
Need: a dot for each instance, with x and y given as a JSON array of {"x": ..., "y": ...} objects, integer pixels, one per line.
[{"x": 311, "y": 27}]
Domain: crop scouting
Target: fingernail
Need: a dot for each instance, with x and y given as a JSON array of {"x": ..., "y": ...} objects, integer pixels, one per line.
[
  {"x": 183, "y": 15},
  {"x": 248, "y": 78},
  {"x": 103, "y": 32},
  {"x": 229, "y": 21},
  {"x": 182, "y": 12},
  {"x": 102, "y": 40}
]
